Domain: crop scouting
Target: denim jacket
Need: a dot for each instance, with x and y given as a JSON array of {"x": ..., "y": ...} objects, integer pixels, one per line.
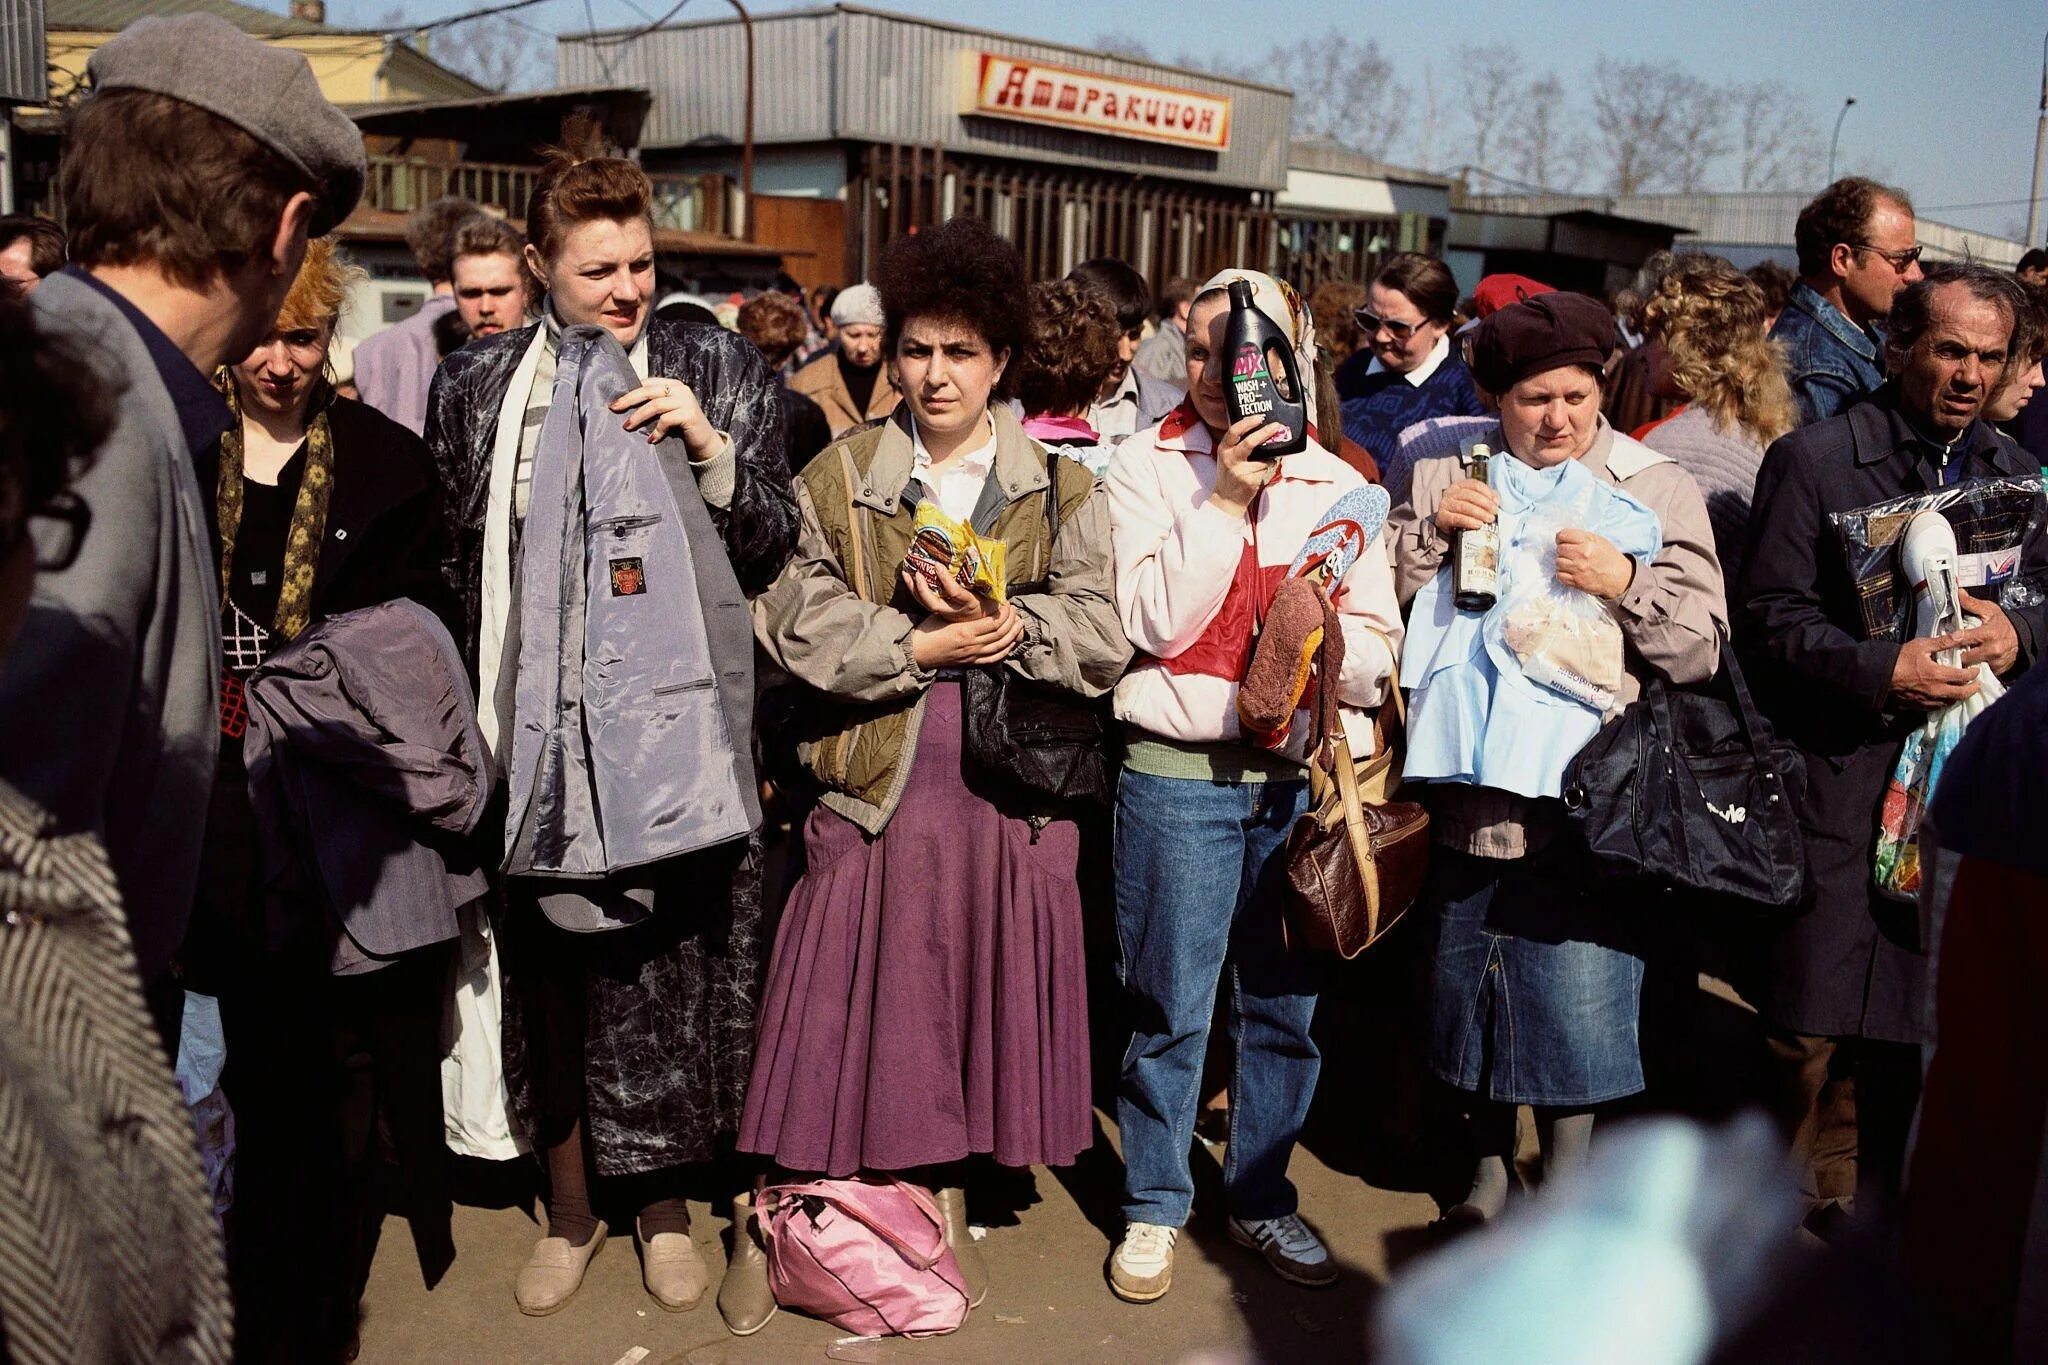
[{"x": 1831, "y": 362}]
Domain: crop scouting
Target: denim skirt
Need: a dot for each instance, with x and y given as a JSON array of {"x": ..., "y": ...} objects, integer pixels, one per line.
[{"x": 1536, "y": 982}]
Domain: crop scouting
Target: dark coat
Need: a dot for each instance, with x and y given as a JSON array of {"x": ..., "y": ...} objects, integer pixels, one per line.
[
  {"x": 367, "y": 773},
  {"x": 805, "y": 425},
  {"x": 665, "y": 1008},
  {"x": 385, "y": 539},
  {"x": 111, "y": 694},
  {"x": 732, "y": 384},
  {"x": 1852, "y": 964},
  {"x": 385, "y": 535}
]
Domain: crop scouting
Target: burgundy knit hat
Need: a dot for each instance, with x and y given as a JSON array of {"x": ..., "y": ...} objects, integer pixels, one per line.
[{"x": 1547, "y": 332}]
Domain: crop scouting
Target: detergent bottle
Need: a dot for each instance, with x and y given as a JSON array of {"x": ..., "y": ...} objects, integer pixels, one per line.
[{"x": 1263, "y": 380}]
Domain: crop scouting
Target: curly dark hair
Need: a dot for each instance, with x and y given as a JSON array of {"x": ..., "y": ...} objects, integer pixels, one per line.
[
  {"x": 1074, "y": 333},
  {"x": 430, "y": 236},
  {"x": 1841, "y": 213},
  {"x": 963, "y": 272},
  {"x": 1776, "y": 281},
  {"x": 1123, "y": 286},
  {"x": 774, "y": 322},
  {"x": 45, "y": 241},
  {"x": 55, "y": 410}
]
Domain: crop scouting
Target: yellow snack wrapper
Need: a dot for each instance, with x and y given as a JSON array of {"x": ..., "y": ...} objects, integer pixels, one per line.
[{"x": 939, "y": 542}]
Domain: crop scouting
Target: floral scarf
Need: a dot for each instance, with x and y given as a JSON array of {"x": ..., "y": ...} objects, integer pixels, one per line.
[{"x": 309, "y": 511}]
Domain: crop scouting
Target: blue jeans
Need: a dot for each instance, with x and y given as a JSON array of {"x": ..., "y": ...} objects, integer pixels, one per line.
[{"x": 1197, "y": 866}]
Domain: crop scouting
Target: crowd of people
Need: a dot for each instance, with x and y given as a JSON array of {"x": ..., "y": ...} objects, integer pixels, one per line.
[{"x": 777, "y": 715}]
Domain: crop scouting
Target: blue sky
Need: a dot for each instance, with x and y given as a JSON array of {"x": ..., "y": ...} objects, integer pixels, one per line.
[{"x": 1946, "y": 94}]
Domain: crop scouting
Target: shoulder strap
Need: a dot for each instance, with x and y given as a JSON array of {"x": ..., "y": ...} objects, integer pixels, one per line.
[{"x": 1052, "y": 498}]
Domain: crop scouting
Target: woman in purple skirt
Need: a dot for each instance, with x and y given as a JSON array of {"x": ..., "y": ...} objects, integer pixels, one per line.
[{"x": 926, "y": 999}]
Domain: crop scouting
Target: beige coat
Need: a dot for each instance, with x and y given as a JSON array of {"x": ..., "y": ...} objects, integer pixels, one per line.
[
  {"x": 821, "y": 382},
  {"x": 855, "y": 647},
  {"x": 1674, "y": 616}
]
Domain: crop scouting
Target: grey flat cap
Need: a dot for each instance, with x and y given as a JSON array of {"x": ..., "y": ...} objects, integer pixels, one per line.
[{"x": 268, "y": 92}]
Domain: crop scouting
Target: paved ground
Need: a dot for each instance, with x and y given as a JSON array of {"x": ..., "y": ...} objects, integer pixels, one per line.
[
  {"x": 1051, "y": 1232},
  {"x": 1048, "y": 1302}
]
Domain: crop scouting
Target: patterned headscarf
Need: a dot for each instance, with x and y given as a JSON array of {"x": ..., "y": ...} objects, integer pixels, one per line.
[{"x": 1288, "y": 311}]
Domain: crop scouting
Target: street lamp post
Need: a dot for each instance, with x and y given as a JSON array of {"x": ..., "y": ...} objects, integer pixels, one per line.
[
  {"x": 1836, "y": 140},
  {"x": 2040, "y": 138},
  {"x": 747, "y": 133}
]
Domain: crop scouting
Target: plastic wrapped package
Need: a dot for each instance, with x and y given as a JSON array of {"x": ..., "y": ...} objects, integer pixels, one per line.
[
  {"x": 941, "y": 544},
  {"x": 1563, "y": 639},
  {"x": 1993, "y": 520},
  {"x": 1928, "y": 561}
]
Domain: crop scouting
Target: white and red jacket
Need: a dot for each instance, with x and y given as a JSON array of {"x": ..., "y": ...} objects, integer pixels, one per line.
[{"x": 1192, "y": 580}]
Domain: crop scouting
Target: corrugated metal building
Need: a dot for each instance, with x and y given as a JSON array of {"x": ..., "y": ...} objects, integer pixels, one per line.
[
  {"x": 870, "y": 124},
  {"x": 1343, "y": 213},
  {"x": 22, "y": 55},
  {"x": 23, "y": 60},
  {"x": 1749, "y": 227}
]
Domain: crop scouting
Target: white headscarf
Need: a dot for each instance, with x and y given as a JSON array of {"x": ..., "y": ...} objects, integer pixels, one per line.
[{"x": 1288, "y": 311}]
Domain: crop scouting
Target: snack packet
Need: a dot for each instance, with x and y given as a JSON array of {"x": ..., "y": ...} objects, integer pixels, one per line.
[{"x": 941, "y": 543}]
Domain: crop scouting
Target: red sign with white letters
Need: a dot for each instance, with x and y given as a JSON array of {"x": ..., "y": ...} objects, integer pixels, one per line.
[{"x": 1035, "y": 92}]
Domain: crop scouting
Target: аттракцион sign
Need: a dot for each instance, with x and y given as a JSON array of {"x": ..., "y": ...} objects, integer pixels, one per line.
[{"x": 1061, "y": 96}]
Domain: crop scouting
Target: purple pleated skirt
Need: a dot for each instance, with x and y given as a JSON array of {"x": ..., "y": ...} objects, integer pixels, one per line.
[{"x": 926, "y": 1000}]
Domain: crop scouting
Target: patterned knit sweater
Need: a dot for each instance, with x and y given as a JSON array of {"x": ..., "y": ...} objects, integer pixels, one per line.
[
  {"x": 1379, "y": 407},
  {"x": 1723, "y": 461}
]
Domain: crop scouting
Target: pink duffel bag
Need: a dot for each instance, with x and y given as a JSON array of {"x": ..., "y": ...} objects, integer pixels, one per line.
[{"x": 866, "y": 1255}]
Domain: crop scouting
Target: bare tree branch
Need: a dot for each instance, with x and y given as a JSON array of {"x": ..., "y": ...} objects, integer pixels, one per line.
[
  {"x": 1426, "y": 130},
  {"x": 1777, "y": 142},
  {"x": 1631, "y": 114},
  {"x": 1697, "y": 137},
  {"x": 1655, "y": 125},
  {"x": 1492, "y": 77},
  {"x": 497, "y": 52},
  {"x": 1344, "y": 89},
  {"x": 1122, "y": 43},
  {"x": 1540, "y": 139}
]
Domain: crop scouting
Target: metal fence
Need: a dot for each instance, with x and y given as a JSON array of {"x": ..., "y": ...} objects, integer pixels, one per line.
[
  {"x": 397, "y": 184},
  {"x": 1057, "y": 216},
  {"x": 1321, "y": 248}
]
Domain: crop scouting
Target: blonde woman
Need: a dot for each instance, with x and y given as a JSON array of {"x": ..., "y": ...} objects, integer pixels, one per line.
[
  {"x": 320, "y": 504},
  {"x": 1704, "y": 340}
]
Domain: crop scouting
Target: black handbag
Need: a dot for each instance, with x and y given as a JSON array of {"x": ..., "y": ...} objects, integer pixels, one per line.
[
  {"x": 1691, "y": 791},
  {"x": 1044, "y": 743}
]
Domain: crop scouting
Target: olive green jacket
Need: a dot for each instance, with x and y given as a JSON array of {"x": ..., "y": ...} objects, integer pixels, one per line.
[{"x": 839, "y": 619}]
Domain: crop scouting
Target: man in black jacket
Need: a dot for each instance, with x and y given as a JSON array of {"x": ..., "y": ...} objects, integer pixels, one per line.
[{"x": 1848, "y": 979}]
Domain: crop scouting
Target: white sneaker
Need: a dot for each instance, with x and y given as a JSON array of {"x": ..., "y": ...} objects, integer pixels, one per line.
[
  {"x": 1141, "y": 1268},
  {"x": 1295, "y": 1253}
]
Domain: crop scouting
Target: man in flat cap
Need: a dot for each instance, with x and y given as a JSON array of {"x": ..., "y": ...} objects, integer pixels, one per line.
[{"x": 193, "y": 175}]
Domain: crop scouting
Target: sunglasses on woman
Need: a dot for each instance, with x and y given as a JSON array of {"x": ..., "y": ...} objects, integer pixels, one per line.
[{"x": 1370, "y": 323}]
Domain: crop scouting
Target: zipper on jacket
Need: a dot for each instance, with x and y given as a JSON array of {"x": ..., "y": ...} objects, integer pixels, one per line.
[{"x": 618, "y": 526}]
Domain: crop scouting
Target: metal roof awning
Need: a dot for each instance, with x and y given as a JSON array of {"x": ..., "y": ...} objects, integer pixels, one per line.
[
  {"x": 379, "y": 225},
  {"x": 509, "y": 127}
]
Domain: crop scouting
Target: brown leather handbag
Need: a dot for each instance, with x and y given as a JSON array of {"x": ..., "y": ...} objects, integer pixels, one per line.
[{"x": 1354, "y": 864}]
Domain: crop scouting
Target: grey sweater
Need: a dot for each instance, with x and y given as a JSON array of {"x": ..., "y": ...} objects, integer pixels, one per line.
[{"x": 1723, "y": 461}]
